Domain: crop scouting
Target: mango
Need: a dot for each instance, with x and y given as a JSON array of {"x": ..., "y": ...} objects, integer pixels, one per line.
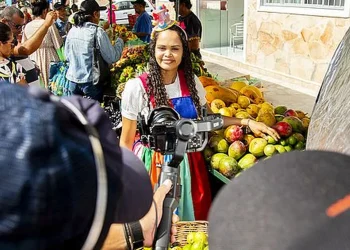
[
  {"x": 228, "y": 166},
  {"x": 295, "y": 122},
  {"x": 280, "y": 110},
  {"x": 218, "y": 144},
  {"x": 247, "y": 139},
  {"x": 215, "y": 160},
  {"x": 236, "y": 150},
  {"x": 279, "y": 118},
  {"x": 247, "y": 161},
  {"x": 269, "y": 150},
  {"x": 280, "y": 149},
  {"x": 256, "y": 147}
]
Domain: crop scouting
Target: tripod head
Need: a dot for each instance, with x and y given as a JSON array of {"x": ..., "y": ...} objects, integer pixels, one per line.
[{"x": 165, "y": 132}]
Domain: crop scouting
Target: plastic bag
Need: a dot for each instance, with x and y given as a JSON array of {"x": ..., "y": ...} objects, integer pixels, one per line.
[{"x": 329, "y": 128}]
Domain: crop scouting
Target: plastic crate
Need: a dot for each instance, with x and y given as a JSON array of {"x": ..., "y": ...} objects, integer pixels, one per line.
[{"x": 132, "y": 19}]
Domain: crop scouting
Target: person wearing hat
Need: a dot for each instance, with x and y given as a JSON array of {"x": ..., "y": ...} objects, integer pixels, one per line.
[
  {"x": 79, "y": 48},
  {"x": 61, "y": 20},
  {"x": 192, "y": 25},
  {"x": 143, "y": 24},
  {"x": 294, "y": 201},
  {"x": 65, "y": 182},
  {"x": 74, "y": 8}
]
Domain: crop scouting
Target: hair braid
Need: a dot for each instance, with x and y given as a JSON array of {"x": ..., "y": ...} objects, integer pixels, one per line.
[{"x": 155, "y": 83}]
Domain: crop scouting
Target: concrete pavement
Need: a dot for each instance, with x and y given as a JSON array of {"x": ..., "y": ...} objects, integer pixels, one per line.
[{"x": 276, "y": 94}]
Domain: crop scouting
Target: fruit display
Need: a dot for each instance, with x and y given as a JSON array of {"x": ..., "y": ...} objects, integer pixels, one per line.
[
  {"x": 133, "y": 62},
  {"x": 234, "y": 149},
  {"x": 120, "y": 30}
]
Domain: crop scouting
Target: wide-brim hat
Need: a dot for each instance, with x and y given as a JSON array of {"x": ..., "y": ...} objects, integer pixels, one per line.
[
  {"x": 48, "y": 175},
  {"x": 297, "y": 200}
]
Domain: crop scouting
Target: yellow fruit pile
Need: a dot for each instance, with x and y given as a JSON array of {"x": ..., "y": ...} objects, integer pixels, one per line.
[
  {"x": 239, "y": 92},
  {"x": 195, "y": 241}
]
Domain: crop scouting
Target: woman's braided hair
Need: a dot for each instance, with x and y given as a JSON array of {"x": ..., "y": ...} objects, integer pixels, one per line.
[{"x": 155, "y": 82}]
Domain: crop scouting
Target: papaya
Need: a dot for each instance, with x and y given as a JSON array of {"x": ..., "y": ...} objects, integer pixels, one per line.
[
  {"x": 207, "y": 81},
  {"x": 218, "y": 92}
]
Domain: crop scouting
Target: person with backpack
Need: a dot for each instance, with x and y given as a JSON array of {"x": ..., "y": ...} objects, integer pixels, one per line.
[{"x": 83, "y": 38}]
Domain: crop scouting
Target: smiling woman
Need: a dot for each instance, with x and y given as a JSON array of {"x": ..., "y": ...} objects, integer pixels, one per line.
[
  {"x": 171, "y": 82},
  {"x": 8, "y": 68}
]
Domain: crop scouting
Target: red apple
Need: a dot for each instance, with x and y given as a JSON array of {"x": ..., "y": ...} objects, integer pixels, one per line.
[
  {"x": 290, "y": 112},
  {"x": 283, "y": 129}
]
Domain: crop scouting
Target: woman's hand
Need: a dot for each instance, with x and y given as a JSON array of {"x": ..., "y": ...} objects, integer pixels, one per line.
[{"x": 261, "y": 130}]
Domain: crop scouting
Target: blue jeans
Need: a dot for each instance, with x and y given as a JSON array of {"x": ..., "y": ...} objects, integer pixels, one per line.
[{"x": 94, "y": 92}]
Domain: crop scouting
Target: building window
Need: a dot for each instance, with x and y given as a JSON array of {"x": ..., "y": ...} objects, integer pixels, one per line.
[
  {"x": 328, "y": 4},
  {"x": 330, "y": 8}
]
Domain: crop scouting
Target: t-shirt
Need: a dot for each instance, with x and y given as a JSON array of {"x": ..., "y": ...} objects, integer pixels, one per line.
[
  {"x": 135, "y": 100},
  {"x": 8, "y": 71},
  {"x": 144, "y": 24},
  {"x": 61, "y": 26},
  {"x": 192, "y": 26}
]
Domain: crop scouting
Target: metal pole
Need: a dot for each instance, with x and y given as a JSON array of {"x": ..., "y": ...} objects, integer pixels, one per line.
[
  {"x": 110, "y": 12},
  {"x": 177, "y": 7}
]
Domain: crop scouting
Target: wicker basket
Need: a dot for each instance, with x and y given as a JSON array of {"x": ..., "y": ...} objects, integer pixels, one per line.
[{"x": 185, "y": 227}]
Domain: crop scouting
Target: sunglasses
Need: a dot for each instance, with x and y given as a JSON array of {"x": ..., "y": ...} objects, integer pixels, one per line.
[
  {"x": 13, "y": 43},
  {"x": 16, "y": 26}
]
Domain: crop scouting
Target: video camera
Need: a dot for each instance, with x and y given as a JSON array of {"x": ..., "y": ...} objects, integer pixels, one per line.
[
  {"x": 164, "y": 129},
  {"x": 166, "y": 132}
]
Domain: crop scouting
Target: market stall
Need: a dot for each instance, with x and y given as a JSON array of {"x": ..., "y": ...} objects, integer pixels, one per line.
[
  {"x": 233, "y": 149},
  {"x": 229, "y": 151}
]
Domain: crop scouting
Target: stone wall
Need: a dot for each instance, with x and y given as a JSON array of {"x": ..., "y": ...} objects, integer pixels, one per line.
[{"x": 297, "y": 45}]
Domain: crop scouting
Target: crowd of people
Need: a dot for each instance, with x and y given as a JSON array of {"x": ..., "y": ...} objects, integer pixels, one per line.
[{"x": 67, "y": 162}]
